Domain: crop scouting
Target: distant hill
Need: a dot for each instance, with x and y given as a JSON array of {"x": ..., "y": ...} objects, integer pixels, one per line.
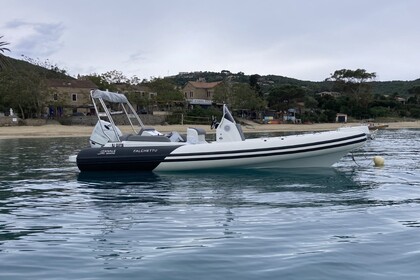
[
  {"x": 394, "y": 87},
  {"x": 383, "y": 88},
  {"x": 266, "y": 81},
  {"x": 22, "y": 66}
]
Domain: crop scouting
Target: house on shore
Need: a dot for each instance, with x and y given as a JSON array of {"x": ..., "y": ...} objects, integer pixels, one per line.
[
  {"x": 140, "y": 95},
  {"x": 199, "y": 92},
  {"x": 69, "y": 97}
]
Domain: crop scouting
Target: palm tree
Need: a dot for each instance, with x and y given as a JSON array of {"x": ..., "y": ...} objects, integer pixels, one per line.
[{"x": 3, "y": 60}]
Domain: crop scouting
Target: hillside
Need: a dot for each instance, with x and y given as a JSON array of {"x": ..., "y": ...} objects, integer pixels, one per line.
[
  {"x": 394, "y": 87},
  {"x": 47, "y": 71},
  {"x": 23, "y": 87},
  {"x": 30, "y": 69},
  {"x": 382, "y": 88}
]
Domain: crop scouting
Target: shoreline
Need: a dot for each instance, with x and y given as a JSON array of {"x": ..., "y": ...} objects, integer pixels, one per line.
[{"x": 56, "y": 131}]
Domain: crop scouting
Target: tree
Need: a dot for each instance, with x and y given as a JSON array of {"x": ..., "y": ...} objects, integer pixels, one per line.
[
  {"x": 3, "y": 60},
  {"x": 101, "y": 82},
  {"x": 238, "y": 96},
  {"x": 352, "y": 76},
  {"x": 141, "y": 102},
  {"x": 24, "y": 91},
  {"x": 167, "y": 93},
  {"x": 134, "y": 80},
  {"x": 283, "y": 97},
  {"x": 23, "y": 86},
  {"x": 245, "y": 98},
  {"x": 355, "y": 84},
  {"x": 222, "y": 93},
  {"x": 415, "y": 91},
  {"x": 115, "y": 77},
  {"x": 310, "y": 102},
  {"x": 109, "y": 80},
  {"x": 47, "y": 64},
  {"x": 226, "y": 72},
  {"x": 253, "y": 83}
]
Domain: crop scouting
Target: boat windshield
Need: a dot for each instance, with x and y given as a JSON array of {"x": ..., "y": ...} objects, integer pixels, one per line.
[{"x": 227, "y": 114}]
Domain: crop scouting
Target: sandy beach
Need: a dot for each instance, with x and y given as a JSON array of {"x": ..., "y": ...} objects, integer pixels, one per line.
[{"x": 81, "y": 131}]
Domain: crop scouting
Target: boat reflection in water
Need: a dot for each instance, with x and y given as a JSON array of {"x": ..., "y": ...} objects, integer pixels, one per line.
[{"x": 306, "y": 179}]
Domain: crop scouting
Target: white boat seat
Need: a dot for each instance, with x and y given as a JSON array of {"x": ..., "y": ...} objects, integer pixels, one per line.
[
  {"x": 174, "y": 136},
  {"x": 143, "y": 129},
  {"x": 196, "y": 135},
  {"x": 149, "y": 131}
]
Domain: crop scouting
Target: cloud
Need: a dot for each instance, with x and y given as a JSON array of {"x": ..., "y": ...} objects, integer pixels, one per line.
[
  {"x": 297, "y": 38},
  {"x": 138, "y": 56},
  {"x": 34, "y": 39}
]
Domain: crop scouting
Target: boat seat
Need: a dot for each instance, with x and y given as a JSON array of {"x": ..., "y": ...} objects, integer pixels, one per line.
[
  {"x": 147, "y": 131},
  {"x": 174, "y": 136},
  {"x": 196, "y": 135},
  {"x": 135, "y": 137}
]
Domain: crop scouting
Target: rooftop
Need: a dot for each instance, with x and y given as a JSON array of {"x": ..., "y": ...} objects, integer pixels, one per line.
[
  {"x": 71, "y": 83},
  {"x": 204, "y": 84}
]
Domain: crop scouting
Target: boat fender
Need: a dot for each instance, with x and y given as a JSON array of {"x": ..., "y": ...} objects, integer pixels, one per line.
[{"x": 378, "y": 161}]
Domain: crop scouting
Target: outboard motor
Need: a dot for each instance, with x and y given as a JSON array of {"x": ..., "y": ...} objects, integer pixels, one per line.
[{"x": 103, "y": 133}]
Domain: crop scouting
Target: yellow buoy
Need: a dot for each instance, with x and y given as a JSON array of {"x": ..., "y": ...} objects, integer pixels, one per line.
[{"x": 378, "y": 161}]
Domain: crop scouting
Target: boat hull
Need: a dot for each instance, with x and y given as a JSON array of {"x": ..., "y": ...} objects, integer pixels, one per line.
[{"x": 315, "y": 150}]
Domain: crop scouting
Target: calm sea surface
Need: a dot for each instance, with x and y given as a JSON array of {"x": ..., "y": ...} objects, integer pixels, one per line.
[{"x": 353, "y": 221}]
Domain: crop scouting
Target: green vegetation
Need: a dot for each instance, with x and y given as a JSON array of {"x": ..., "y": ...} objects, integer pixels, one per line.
[
  {"x": 2, "y": 50},
  {"x": 238, "y": 96},
  {"x": 23, "y": 87},
  {"x": 353, "y": 92}
]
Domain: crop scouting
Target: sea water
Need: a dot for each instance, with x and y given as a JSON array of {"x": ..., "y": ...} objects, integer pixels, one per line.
[{"x": 353, "y": 221}]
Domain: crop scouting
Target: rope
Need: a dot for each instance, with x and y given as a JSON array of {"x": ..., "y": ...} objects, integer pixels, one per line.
[{"x": 352, "y": 156}]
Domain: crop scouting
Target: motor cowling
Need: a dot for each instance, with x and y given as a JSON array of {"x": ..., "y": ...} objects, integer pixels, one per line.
[{"x": 102, "y": 133}]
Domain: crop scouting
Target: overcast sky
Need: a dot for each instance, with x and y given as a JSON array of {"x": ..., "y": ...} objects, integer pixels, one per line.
[{"x": 303, "y": 39}]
